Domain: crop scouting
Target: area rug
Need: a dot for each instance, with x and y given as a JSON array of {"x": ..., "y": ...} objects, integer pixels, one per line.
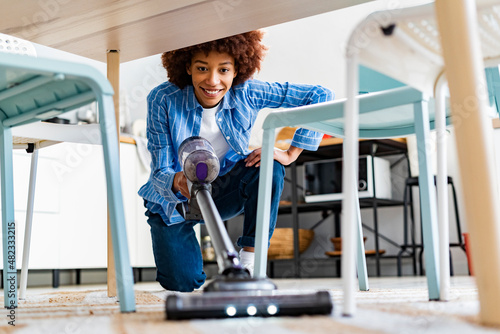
[{"x": 381, "y": 310}]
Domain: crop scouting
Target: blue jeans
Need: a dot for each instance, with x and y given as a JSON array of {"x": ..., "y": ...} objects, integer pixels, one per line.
[{"x": 177, "y": 251}]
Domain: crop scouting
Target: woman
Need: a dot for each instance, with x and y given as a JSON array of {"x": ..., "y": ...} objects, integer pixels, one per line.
[{"x": 210, "y": 94}]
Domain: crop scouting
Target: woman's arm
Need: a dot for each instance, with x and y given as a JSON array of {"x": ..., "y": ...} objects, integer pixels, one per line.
[
  {"x": 287, "y": 95},
  {"x": 283, "y": 157}
]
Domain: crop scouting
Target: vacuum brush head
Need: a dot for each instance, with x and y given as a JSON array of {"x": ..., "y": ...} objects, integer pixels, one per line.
[{"x": 247, "y": 304}]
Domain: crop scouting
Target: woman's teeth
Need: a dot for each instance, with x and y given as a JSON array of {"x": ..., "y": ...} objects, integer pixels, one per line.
[{"x": 212, "y": 92}]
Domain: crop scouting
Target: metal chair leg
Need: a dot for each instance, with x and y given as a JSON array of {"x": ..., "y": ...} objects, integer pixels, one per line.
[
  {"x": 442, "y": 189},
  {"x": 428, "y": 201},
  {"x": 29, "y": 223},
  {"x": 349, "y": 177},
  {"x": 263, "y": 204}
]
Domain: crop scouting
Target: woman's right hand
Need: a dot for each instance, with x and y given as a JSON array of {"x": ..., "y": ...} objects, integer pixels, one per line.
[{"x": 180, "y": 184}]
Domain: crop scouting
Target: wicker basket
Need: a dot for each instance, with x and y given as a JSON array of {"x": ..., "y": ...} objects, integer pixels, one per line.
[
  {"x": 337, "y": 243},
  {"x": 282, "y": 243}
]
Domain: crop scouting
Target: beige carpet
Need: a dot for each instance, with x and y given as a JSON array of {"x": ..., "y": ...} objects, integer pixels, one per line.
[{"x": 391, "y": 306}]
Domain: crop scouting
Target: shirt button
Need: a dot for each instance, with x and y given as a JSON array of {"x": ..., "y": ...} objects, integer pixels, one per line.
[
  {"x": 220, "y": 119},
  {"x": 228, "y": 137},
  {"x": 239, "y": 152}
]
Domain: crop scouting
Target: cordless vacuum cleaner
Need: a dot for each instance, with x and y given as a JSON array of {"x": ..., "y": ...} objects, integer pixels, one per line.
[{"x": 233, "y": 293}]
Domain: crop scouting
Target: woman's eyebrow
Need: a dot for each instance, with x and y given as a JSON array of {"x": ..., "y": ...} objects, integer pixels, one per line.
[{"x": 206, "y": 63}]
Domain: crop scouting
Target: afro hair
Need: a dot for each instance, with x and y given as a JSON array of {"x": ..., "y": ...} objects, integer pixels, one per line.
[{"x": 246, "y": 49}]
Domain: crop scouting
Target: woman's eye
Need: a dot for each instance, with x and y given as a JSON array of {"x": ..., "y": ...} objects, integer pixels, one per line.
[
  {"x": 224, "y": 70},
  {"x": 202, "y": 69}
]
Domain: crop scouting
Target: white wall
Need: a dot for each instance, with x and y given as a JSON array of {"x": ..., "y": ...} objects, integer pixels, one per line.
[{"x": 137, "y": 78}]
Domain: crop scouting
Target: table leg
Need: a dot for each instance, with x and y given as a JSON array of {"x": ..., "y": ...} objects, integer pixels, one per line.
[
  {"x": 457, "y": 21},
  {"x": 113, "y": 65}
]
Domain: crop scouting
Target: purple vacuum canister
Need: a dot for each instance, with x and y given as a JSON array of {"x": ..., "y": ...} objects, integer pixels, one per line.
[{"x": 198, "y": 159}]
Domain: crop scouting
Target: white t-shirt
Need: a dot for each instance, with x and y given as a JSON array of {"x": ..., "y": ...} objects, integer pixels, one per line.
[{"x": 211, "y": 132}]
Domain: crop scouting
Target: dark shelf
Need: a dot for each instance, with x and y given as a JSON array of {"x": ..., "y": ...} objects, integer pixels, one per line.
[{"x": 336, "y": 205}]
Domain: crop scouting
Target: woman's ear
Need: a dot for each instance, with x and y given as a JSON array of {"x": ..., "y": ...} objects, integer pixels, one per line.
[{"x": 188, "y": 69}]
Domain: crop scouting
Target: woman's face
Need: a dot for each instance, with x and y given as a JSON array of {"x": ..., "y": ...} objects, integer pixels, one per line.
[{"x": 212, "y": 76}]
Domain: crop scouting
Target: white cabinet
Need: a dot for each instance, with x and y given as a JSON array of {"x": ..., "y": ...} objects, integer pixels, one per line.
[
  {"x": 83, "y": 206},
  {"x": 134, "y": 175}
]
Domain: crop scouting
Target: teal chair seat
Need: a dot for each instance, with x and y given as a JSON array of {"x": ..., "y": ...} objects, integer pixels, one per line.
[
  {"x": 381, "y": 115},
  {"x": 35, "y": 89}
]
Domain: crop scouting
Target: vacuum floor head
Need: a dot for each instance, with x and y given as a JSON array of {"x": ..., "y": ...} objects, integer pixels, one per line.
[{"x": 247, "y": 304}]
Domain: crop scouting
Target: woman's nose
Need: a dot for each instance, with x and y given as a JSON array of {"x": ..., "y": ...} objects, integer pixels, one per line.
[{"x": 213, "y": 78}]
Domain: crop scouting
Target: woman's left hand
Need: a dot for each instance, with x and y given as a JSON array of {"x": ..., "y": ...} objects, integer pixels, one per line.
[{"x": 283, "y": 157}]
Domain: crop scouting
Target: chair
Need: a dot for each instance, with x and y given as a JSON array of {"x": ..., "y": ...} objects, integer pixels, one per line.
[
  {"x": 377, "y": 120},
  {"x": 405, "y": 44},
  {"x": 35, "y": 89}
]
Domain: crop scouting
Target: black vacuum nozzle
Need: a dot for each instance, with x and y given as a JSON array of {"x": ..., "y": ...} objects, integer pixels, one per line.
[{"x": 241, "y": 304}]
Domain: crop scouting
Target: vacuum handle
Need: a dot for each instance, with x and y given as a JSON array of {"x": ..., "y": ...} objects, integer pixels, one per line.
[{"x": 227, "y": 257}]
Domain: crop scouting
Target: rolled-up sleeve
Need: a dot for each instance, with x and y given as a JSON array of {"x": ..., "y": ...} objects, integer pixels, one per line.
[{"x": 288, "y": 95}]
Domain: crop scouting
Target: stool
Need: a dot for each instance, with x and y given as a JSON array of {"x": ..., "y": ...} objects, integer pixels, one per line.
[{"x": 411, "y": 248}]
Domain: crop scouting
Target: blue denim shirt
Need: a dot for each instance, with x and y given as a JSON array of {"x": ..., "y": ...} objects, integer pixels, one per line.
[{"x": 174, "y": 114}]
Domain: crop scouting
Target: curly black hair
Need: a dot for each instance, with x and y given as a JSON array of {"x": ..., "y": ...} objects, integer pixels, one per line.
[{"x": 246, "y": 49}]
